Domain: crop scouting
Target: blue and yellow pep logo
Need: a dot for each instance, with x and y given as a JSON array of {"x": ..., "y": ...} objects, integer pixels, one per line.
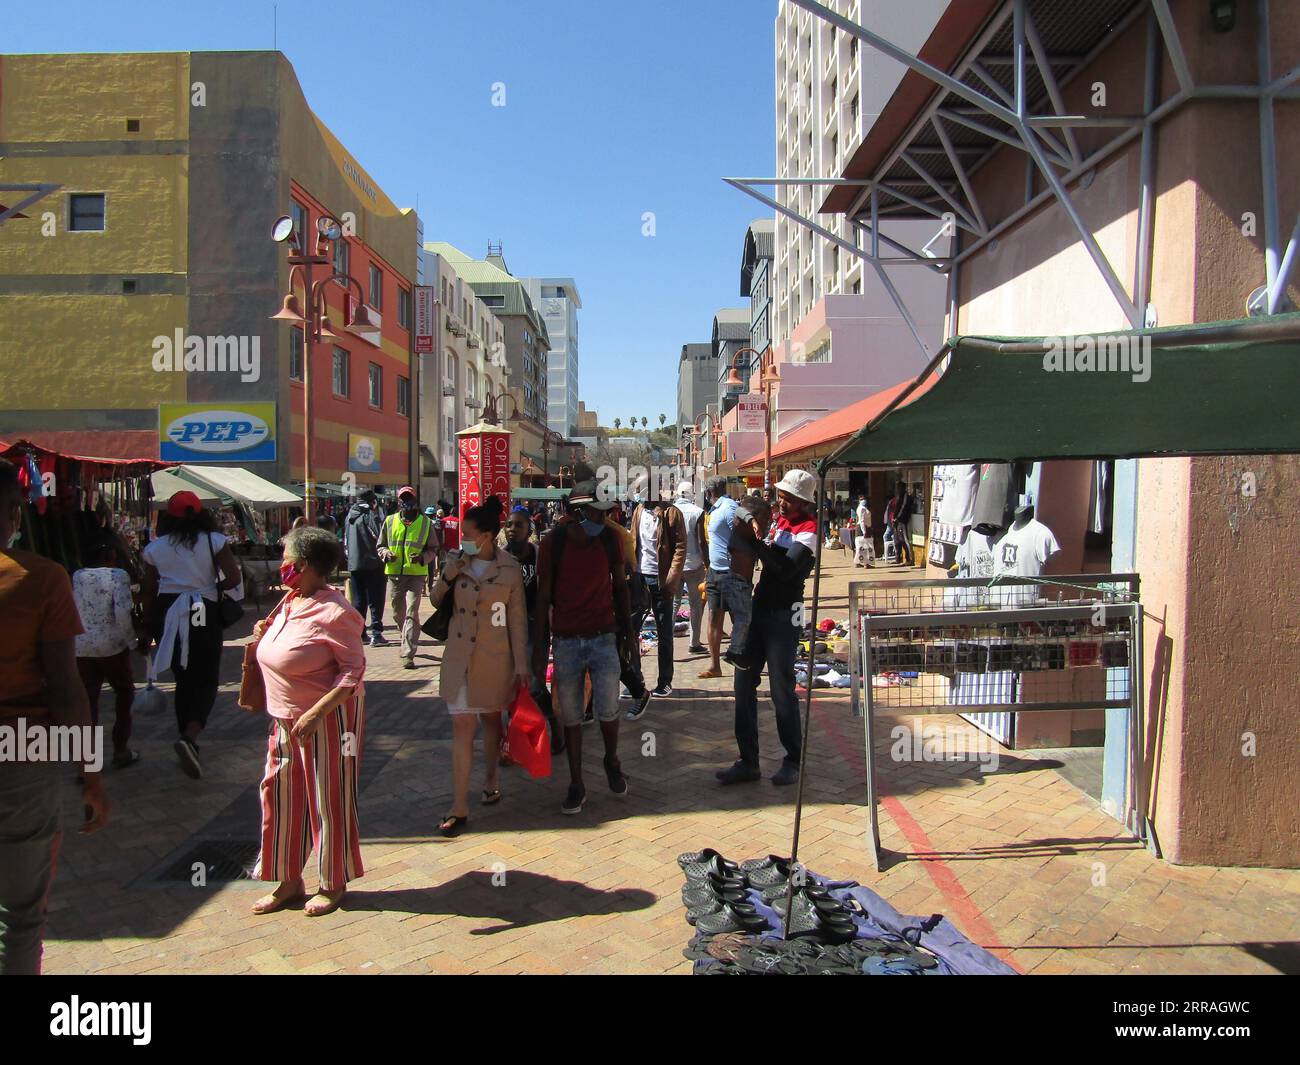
[{"x": 197, "y": 432}]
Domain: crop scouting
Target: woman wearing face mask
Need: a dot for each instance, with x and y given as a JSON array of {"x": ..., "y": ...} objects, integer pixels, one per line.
[
  {"x": 312, "y": 658},
  {"x": 486, "y": 655}
]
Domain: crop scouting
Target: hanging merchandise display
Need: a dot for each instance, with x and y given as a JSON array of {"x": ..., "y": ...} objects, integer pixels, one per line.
[
  {"x": 1024, "y": 551},
  {"x": 952, "y": 511},
  {"x": 995, "y": 499}
]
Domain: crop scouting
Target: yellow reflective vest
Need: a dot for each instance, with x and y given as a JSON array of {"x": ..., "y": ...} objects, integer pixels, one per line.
[{"x": 404, "y": 539}]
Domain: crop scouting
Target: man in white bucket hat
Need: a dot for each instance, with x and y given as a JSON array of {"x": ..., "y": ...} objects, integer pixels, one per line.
[{"x": 788, "y": 556}]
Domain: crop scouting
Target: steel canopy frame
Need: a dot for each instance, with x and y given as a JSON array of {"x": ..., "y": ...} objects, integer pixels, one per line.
[{"x": 1059, "y": 161}]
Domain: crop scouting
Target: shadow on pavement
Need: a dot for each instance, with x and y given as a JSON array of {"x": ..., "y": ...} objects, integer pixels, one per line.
[{"x": 520, "y": 900}]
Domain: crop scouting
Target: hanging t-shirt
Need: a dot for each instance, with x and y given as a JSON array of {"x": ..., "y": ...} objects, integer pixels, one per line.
[
  {"x": 1023, "y": 552},
  {"x": 995, "y": 499},
  {"x": 954, "y": 493},
  {"x": 976, "y": 557}
]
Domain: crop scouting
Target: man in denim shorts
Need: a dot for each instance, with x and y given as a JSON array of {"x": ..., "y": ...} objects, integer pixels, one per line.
[
  {"x": 725, "y": 592},
  {"x": 582, "y": 602}
]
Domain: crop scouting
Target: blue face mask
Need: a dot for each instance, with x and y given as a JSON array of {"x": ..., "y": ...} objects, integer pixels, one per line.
[
  {"x": 469, "y": 548},
  {"x": 592, "y": 528}
]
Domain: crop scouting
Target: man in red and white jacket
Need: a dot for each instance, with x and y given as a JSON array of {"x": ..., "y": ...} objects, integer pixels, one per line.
[{"x": 788, "y": 556}]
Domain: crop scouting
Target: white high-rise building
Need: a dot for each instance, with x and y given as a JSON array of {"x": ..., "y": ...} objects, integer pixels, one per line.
[
  {"x": 557, "y": 300},
  {"x": 830, "y": 88}
]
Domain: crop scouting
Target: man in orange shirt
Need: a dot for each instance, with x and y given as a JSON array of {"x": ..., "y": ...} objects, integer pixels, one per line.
[{"x": 39, "y": 688}]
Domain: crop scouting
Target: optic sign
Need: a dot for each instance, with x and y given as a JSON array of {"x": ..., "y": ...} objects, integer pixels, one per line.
[
  {"x": 424, "y": 320},
  {"x": 196, "y": 432},
  {"x": 750, "y": 414},
  {"x": 484, "y": 469}
]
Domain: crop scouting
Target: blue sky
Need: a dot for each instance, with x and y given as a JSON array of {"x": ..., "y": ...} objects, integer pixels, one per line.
[{"x": 612, "y": 110}]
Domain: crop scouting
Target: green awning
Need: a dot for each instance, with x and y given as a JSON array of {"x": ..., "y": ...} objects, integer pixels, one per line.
[
  {"x": 546, "y": 495},
  {"x": 1225, "y": 388}
]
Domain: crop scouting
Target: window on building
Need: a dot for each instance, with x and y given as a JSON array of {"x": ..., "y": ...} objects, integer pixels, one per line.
[
  {"x": 404, "y": 396},
  {"x": 376, "y": 385},
  {"x": 86, "y": 212},
  {"x": 404, "y": 308},
  {"x": 295, "y": 354},
  {"x": 342, "y": 377},
  {"x": 300, "y": 216},
  {"x": 342, "y": 256},
  {"x": 376, "y": 287},
  {"x": 449, "y": 430},
  {"x": 494, "y": 301},
  {"x": 853, "y": 50},
  {"x": 853, "y": 108}
]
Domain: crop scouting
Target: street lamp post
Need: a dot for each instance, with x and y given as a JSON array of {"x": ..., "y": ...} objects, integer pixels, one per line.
[
  {"x": 769, "y": 377},
  {"x": 314, "y": 318}
]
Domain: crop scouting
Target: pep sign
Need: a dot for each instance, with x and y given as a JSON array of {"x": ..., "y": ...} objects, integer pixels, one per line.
[{"x": 189, "y": 432}]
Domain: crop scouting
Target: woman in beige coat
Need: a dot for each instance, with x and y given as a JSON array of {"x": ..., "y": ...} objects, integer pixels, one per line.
[{"x": 488, "y": 636}]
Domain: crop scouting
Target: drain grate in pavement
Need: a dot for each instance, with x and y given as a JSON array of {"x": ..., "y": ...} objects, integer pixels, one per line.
[{"x": 223, "y": 859}]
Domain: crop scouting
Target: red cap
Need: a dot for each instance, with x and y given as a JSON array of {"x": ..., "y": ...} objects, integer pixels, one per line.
[
  {"x": 405, "y": 490},
  {"x": 182, "y": 502}
]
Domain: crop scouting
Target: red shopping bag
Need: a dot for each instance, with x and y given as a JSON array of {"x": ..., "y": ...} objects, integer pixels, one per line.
[{"x": 526, "y": 741}]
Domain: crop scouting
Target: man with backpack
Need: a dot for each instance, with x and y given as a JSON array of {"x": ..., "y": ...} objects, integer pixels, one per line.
[
  {"x": 361, "y": 528},
  {"x": 582, "y": 606}
]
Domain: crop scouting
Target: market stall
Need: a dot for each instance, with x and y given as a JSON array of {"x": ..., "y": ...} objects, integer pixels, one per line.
[{"x": 70, "y": 500}]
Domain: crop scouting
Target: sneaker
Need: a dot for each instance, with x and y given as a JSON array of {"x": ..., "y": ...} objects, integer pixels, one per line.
[
  {"x": 408, "y": 663},
  {"x": 740, "y": 773},
  {"x": 617, "y": 781},
  {"x": 377, "y": 640},
  {"x": 188, "y": 753},
  {"x": 638, "y": 709},
  {"x": 573, "y": 800},
  {"x": 663, "y": 691},
  {"x": 697, "y": 649},
  {"x": 786, "y": 775}
]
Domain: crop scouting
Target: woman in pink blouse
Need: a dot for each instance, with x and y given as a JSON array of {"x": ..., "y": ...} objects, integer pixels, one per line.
[{"x": 312, "y": 661}]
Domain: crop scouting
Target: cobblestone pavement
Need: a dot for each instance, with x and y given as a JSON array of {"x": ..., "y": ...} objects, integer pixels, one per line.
[{"x": 1021, "y": 860}]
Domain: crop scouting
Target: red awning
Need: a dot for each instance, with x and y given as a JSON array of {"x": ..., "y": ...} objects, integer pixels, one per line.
[
  {"x": 818, "y": 438},
  {"x": 106, "y": 466}
]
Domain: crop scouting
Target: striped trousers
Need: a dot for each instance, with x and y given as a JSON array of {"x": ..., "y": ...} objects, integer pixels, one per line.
[{"x": 309, "y": 797}]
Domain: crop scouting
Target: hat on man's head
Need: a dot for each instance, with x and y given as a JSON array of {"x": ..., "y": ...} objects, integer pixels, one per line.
[
  {"x": 407, "y": 490},
  {"x": 686, "y": 490},
  {"x": 584, "y": 494},
  {"x": 801, "y": 484},
  {"x": 182, "y": 503}
]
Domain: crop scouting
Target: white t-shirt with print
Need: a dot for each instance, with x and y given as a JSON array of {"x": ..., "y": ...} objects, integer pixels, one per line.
[{"x": 1024, "y": 552}]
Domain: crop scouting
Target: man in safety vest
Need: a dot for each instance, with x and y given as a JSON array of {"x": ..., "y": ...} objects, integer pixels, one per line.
[{"x": 408, "y": 542}]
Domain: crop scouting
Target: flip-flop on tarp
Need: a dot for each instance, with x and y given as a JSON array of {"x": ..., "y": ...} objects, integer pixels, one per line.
[{"x": 1226, "y": 388}]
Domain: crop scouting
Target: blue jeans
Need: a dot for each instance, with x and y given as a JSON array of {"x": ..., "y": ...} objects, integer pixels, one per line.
[
  {"x": 575, "y": 657},
  {"x": 772, "y": 642},
  {"x": 30, "y": 807},
  {"x": 368, "y": 587},
  {"x": 726, "y": 591},
  {"x": 661, "y": 607}
]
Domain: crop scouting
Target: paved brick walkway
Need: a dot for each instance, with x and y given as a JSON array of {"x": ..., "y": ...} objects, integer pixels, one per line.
[{"x": 1020, "y": 859}]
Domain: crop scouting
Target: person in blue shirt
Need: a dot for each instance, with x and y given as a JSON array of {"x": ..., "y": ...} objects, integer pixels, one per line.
[{"x": 725, "y": 591}]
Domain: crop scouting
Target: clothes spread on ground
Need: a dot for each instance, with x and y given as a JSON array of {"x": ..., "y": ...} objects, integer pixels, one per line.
[
  {"x": 1023, "y": 552},
  {"x": 995, "y": 500},
  {"x": 103, "y": 596}
]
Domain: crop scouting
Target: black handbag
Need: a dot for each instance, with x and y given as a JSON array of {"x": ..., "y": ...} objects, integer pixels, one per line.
[
  {"x": 438, "y": 624},
  {"x": 229, "y": 611}
]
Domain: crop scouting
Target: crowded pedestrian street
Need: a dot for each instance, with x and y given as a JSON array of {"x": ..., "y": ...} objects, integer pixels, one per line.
[{"x": 1024, "y": 862}]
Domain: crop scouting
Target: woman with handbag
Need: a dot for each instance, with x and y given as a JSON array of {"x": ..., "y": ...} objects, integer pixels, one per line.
[
  {"x": 486, "y": 656},
  {"x": 187, "y": 568},
  {"x": 306, "y": 670}
]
